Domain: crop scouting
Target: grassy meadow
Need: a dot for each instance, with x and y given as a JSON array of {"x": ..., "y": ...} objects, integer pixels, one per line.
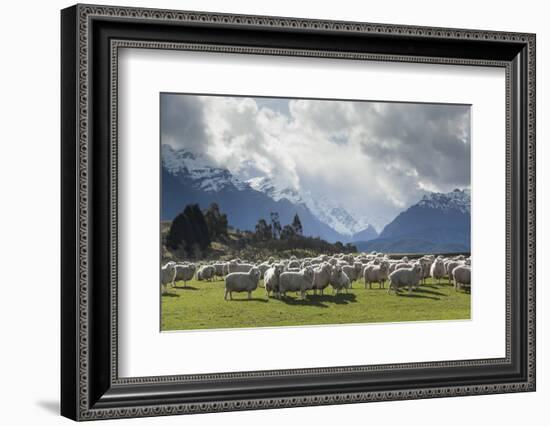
[{"x": 200, "y": 305}]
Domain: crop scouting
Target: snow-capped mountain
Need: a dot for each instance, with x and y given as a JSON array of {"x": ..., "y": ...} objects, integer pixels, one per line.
[
  {"x": 437, "y": 223},
  {"x": 265, "y": 185},
  {"x": 331, "y": 214},
  {"x": 455, "y": 200},
  {"x": 190, "y": 178},
  {"x": 197, "y": 168}
]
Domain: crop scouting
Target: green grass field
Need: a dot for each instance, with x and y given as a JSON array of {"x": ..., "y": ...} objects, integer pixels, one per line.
[{"x": 201, "y": 306}]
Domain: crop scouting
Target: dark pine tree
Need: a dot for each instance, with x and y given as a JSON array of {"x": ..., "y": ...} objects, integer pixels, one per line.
[
  {"x": 288, "y": 232},
  {"x": 350, "y": 248},
  {"x": 178, "y": 233},
  {"x": 275, "y": 225},
  {"x": 263, "y": 231},
  {"x": 297, "y": 225},
  {"x": 216, "y": 221},
  {"x": 200, "y": 228},
  {"x": 339, "y": 246},
  {"x": 188, "y": 230}
]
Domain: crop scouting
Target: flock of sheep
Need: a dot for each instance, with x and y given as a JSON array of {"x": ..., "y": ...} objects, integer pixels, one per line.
[{"x": 316, "y": 274}]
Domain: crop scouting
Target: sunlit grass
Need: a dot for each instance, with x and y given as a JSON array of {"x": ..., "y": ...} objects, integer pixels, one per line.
[{"x": 201, "y": 305}]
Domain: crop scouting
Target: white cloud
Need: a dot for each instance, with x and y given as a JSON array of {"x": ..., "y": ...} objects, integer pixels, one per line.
[{"x": 372, "y": 158}]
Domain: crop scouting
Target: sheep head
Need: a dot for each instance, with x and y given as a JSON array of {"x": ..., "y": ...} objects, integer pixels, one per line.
[
  {"x": 336, "y": 272},
  {"x": 255, "y": 273},
  {"x": 308, "y": 273}
]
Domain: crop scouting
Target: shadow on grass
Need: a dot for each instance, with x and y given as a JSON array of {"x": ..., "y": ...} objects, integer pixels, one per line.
[
  {"x": 433, "y": 292},
  {"x": 308, "y": 301},
  {"x": 437, "y": 286},
  {"x": 177, "y": 287},
  {"x": 170, "y": 295},
  {"x": 415, "y": 295},
  {"x": 246, "y": 299},
  {"x": 320, "y": 300},
  {"x": 343, "y": 298}
]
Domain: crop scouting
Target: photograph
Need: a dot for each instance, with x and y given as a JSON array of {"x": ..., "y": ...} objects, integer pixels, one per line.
[
  {"x": 242, "y": 186},
  {"x": 299, "y": 212}
]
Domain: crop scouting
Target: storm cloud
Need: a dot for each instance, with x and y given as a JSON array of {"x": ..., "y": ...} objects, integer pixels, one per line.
[
  {"x": 182, "y": 122},
  {"x": 372, "y": 158}
]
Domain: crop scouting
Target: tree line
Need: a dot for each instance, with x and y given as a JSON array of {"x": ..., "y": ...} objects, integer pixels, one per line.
[
  {"x": 193, "y": 230},
  {"x": 273, "y": 231}
]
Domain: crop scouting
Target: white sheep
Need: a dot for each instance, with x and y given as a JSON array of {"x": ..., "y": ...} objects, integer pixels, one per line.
[
  {"x": 166, "y": 276},
  {"x": 321, "y": 277},
  {"x": 206, "y": 272},
  {"x": 348, "y": 258},
  {"x": 393, "y": 265},
  {"x": 376, "y": 274},
  {"x": 401, "y": 265},
  {"x": 271, "y": 279},
  {"x": 405, "y": 278},
  {"x": 296, "y": 281},
  {"x": 449, "y": 266},
  {"x": 183, "y": 272},
  {"x": 426, "y": 264},
  {"x": 437, "y": 270},
  {"x": 263, "y": 267},
  {"x": 240, "y": 282},
  {"x": 462, "y": 276},
  {"x": 353, "y": 271},
  {"x": 293, "y": 264},
  {"x": 339, "y": 280},
  {"x": 219, "y": 269},
  {"x": 306, "y": 263},
  {"x": 235, "y": 266}
]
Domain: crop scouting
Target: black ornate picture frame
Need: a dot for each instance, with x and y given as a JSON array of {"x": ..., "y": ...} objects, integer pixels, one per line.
[{"x": 90, "y": 385}]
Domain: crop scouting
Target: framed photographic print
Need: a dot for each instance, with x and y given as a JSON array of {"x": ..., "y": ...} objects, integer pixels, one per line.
[{"x": 263, "y": 212}]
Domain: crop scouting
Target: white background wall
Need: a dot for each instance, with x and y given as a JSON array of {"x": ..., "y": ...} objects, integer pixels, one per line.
[{"x": 29, "y": 213}]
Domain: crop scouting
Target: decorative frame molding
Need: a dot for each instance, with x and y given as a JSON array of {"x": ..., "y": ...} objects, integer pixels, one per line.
[{"x": 91, "y": 388}]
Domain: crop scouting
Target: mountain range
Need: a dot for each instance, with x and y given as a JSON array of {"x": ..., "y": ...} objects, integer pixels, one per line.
[
  {"x": 189, "y": 178},
  {"x": 437, "y": 223}
]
